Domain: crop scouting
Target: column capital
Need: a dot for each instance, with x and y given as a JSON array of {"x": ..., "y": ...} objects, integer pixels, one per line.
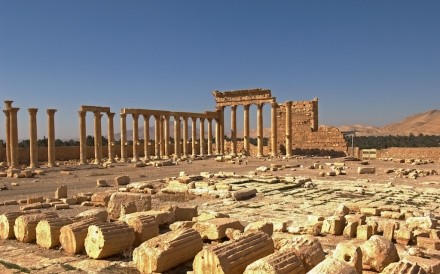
[
  {"x": 288, "y": 103},
  {"x": 209, "y": 119},
  {"x": 8, "y": 104},
  {"x": 146, "y": 116},
  {"x": 166, "y": 116},
  {"x": 246, "y": 106},
  {"x": 96, "y": 113},
  {"x": 221, "y": 108},
  {"x": 260, "y": 105},
  {"x": 176, "y": 117},
  {"x": 157, "y": 116},
  {"x": 110, "y": 115},
  {"x": 32, "y": 110},
  {"x": 123, "y": 115},
  {"x": 194, "y": 119},
  {"x": 13, "y": 110},
  {"x": 82, "y": 113},
  {"x": 234, "y": 107},
  {"x": 274, "y": 104},
  {"x": 51, "y": 111},
  {"x": 135, "y": 115},
  {"x": 6, "y": 112},
  {"x": 202, "y": 119},
  {"x": 185, "y": 118}
]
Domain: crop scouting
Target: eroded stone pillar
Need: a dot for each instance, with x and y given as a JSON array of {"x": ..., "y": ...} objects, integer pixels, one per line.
[
  {"x": 221, "y": 111},
  {"x": 209, "y": 136},
  {"x": 202, "y": 136},
  {"x": 167, "y": 136},
  {"x": 123, "y": 137},
  {"x": 13, "y": 136},
  {"x": 246, "y": 129},
  {"x": 177, "y": 136},
  {"x": 146, "y": 136},
  {"x": 289, "y": 128},
  {"x": 82, "y": 138},
  {"x": 217, "y": 136},
  {"x": 111, "y": 137},
  {"x": 233, "y": 130},
  {"x": 33, "y": 147},
  {"x": 273, "y": 132},
  {"x": 193, "y": 136},
  {"x": 51, "y": 137},
  {"x": 185, "y": 137},
  {"x": 135, "y": 138},
  {"x": 260, "y": 130},
  {"x": 8, "y": 105},
  {"x": 162, "y": 138},
  {"x": 156, "y": 136},
  {"x": 97, "y": 136}
]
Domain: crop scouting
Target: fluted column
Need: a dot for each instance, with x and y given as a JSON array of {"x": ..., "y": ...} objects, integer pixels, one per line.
[
  {"x": 135, "y": 138},
  {"x": 8, "y": 105},
  {"x": 167, "y": 136},
  {"x": 221, "y": 111},
  {"x": 185, "y": 137},
  {"x": 123, "y": 137},
  {"x": 13, "y": 145},
  {"x": 51, "y": 137},
  {"x": 193, "y": 136},
  {"x": 289, "y": 128},
  {"x": 146, "y": 136},
  {"x": 33, "y": 147},
  {"x": 209, "y": 136},
  {"x": 156, "y": 136},
  {"x": 233, "y": 130},
  {"x": 82, "y": 138},
  {"x": 260, "y": 130},
  {"x": 177, "y": 136},
  {"x": 273, "y": 132},
  {"x": 111, "y": 137},
  {"x": 97, "y": 136},
  {"x": 217, "y": 136},
  {"x": 162, "y": 137},
  {"x": 202, "y": 136},
  {"x": 246, "y": 129}
]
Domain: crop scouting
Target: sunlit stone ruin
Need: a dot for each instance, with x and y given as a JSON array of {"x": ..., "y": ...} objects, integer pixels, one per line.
[{"x": 181, "y": 192}]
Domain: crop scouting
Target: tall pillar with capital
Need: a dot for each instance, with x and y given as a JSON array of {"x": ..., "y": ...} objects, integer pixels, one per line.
[
  {"x": 202, "y": 136},
  {"x": 217, "y": 136},
  {"x": 97, "y": 137},
  {"x": 156, "y": 136},
  {"x": 13, "y": 145},
  {"x": 111, "y": 137},
  {"x": 221, "y": 111},
  {"x": 193, "y": 136},
  {"x": 288, "y": 128},
  {"x": 8, "y": 105},
  {"x": 260, "y": 130},
  {"x": 33, "y": 147},
  {"x": 167, "y": 136},
  {"x": 146, "y": 136},
  {"x": 246, "y": 129},
  {"x": 123, "y": 137},
  {"x": 135, "y": 138},
  {"x": 82, "y": 138},
  {"x": 209, "y": 136},
  {"x": 233, "y": 130},
  {"x": 185, "y": 137},
  {"x": 176, "y": 136},
  {"x": 51, "y": 138},
  {"x": 162, "y": 137},
  {"x": 273, "y": 133}
]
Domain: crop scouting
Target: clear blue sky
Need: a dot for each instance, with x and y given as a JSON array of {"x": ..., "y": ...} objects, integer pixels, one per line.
[{"x": 369, "y": 62}]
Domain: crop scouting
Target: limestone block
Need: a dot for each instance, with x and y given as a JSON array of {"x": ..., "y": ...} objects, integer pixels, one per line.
[
  {"x": 403, "y": 267},
  {"x": 315, "y": 218},
  {"x": 342, "y": 210},
  {"x": 404, "y": 235},
  {"x": 233, "y": 256},
  {"x": 98, "y": 213},
  {"x": 181, "y": 224},
  {"x": 32, "y": 206},
  {"x": 102, "y": 183},
  {"x": 244, "y": 194},
  {"x": 145, "y": 226},
  {"x": 27, "y": 173},
  {"x": 366, "y": 170},
  {"x": 421, "y": 223},
  {"x": 333, "y": 225},
  {"x": 428, "y": 243},
  {"x": 35, "y": 199},
  {"x": 214, "y": 229},
  {"x": 69, "y": 201},
  {"x": 370, "y": 211},
  {"x": 307, "y": 248},
  {"x": 349, "y": 253},
  {"x": 207, "y": 215},
  {"x": 264, "y": 226},
  {"x": 7, "y": 221},
  {"x": 48, "y": 231},
  {"x": 72, "y": 236},
  {"x": 122, "y": 180},
  {"x": 101, "y": 198},
  {"x": 280, "y": 262},
  {"x": 162, "y": 217},
  {"x": 25, "y": 226},
  {"x": 350, "y": 229},
  {"x": 167, "y": 250},
  {"x": 314, "y": 229},
  {"x": 378, "y": 252},
  {"x": 431, "y": 266},
  {"x": 331, "y": 265},
  {"x": 142, "y": 201},
  {"x": 61, "y": 192},
  {"x": 61, "y": 206},
  {"x": 364, "y": 232},
  {"x": 388, "y": 231}
]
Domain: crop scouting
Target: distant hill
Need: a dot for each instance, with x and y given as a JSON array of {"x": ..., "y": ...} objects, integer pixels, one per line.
[{"x": 426, "y": 123}]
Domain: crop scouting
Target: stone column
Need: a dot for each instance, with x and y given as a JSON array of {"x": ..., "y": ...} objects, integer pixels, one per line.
[
  {"x": 193, "y": 136},
  {"x": 185, "y": 137},
  {"x": 176, "y": 136},
  {"x": 111, "y": 137},
  {"x": 246, "y": 129},
  {"x": 202, "y": 136},
  {"x": 273, "y": 131},
  {"x": 209, "y": 136},
  {"x": 123, "y": 137},
  {"x": 82, "y": 138},
  {"x": 51, "y": 137},
  {"x": 221, "y": 111},
  {"x": 146, "y": 136},
  {"x": 97, "y": 136},
  {"x": 162, "y": 138},
  {"x": 135, "y": 138},
  {"x": 260, "y": 130},
  {"x": 288, "y": 128},
  {"x": 13, "y": 144},
  {"x": 8, "y": 105},
  {"x": 233, "y": 130},
  {"x": 33, "y": 146},
  {"x": 217, "y": 136},
  {"x": 156, "y": 136},
  {"x": 167, "y": 136}
]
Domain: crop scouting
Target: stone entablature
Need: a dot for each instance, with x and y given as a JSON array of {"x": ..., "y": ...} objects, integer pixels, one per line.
[{"x": 243, "y": 97}]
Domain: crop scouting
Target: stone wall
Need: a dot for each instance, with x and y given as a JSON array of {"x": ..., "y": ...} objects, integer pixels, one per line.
[{"x": 424, "y": 153}]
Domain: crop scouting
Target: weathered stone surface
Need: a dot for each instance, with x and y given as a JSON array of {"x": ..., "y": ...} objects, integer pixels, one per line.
[
  {"x": 48, "y": 231},
  {"x": 349, "y": 253},
  {"x": 61, "y": 192},
  {"x": 167, "y": 250},
  {"x": 145, "y": 226},
  {"x": 142, "y": 201},
  {"x": 366, "y": 170},
  {"x": 244, "y": 194},
  {"x": 431, "y": 266},
  {"x": 341, "y": 210},
  {"x": 421, "y": 223},
  {"x": 122, "y": 180},
  {"x": 181, "y": 224},
  {"x": 25, "y": 226},
  {"x": 102, "y": 183},
  {"x": 333, "y": 225},
  {"x": 332, "y": 266},
  {"x": 280, "y": 262},
  {"x": 233, "y": 256},
  {"x": 98, "y": 213},
  {"x": 7, "y": 221},
  {"x": 403, "y": 267},
  {"x": 350, "y": 229},
  {"x": 101, "y": 198},
  {"x": 428, "y": 243},
  {"x": 378, "y": 252},
  {"x": 72, "y": 236},
  {"x": 364, "y": 232},
  {"x": 207, "y": 215},
  {"x": 307, "y": 248},
  {"x": 215, "y": 229},
  {"x": 264, "y": 226}
]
